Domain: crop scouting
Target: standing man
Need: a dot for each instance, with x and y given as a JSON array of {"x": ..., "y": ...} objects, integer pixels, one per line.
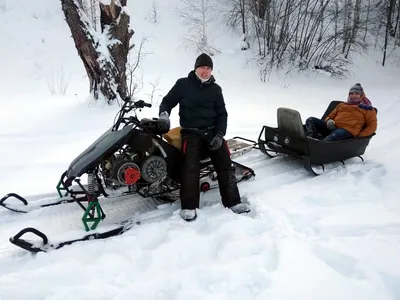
[{"x": 203, "y": 119}]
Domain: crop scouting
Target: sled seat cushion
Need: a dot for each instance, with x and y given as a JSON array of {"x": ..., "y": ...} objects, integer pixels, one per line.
[{"x": 173, "y": 137}]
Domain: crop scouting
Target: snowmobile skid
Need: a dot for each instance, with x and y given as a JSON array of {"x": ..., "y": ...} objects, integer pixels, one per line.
[
  {"x": 45, "y": 245},
  {"x": 289, "y": 138},
  {"x": 132, "y": 157},
  {"x": 25, "y": 202}
]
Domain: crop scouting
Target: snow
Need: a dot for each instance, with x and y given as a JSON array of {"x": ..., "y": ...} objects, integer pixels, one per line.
[{"x": 335, "y": 236}]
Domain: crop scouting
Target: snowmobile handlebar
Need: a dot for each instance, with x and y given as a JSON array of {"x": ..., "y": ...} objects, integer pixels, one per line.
[
  {"x": 128, "y": 106},
  {"x": 137, "y": 104},
  {"x": 141, "y": 104}
]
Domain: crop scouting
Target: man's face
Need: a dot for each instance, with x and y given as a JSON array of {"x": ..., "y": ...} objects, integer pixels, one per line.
[{"x": 204, "y": 72}]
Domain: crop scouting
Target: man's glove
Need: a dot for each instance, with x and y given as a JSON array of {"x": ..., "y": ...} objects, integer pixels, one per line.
[
  {"x": 163, "y": 122},
  {"x": 216, "y": 142},
  {"x": 330, "y": 124}
]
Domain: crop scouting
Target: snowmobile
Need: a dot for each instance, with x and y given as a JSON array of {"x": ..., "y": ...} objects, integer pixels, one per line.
[
  {"x": 290, "y": 139},
  {"x": 132, "y": 157}
]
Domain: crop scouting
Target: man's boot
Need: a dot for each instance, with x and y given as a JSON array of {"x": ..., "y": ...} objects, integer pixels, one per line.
[{"x": 188, "y": 214}]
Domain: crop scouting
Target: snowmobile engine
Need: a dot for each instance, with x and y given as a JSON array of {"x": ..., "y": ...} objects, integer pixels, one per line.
[{"x": 122, "y": 171}]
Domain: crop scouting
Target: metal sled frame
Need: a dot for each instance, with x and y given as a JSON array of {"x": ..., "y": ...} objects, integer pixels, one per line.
[{"x": 273, "y": 141}]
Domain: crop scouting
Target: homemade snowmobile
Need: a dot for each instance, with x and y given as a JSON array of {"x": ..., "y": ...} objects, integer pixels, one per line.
[
  {"x": 289, "y": 138},
  {"x": 132, "y": 157}
]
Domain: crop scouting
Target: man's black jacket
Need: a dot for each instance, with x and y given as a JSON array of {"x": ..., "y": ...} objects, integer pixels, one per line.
[{"x": 201, "y": 105}]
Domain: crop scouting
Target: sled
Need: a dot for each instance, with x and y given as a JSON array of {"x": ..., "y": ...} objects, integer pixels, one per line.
[{"x": 290, "y": 139}]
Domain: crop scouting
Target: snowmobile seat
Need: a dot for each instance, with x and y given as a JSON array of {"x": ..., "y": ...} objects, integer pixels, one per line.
[{"x": 173, "y": 136}]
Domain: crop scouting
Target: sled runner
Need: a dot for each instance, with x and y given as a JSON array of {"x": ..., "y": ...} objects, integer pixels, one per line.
[{"x": 289, "y": 138}]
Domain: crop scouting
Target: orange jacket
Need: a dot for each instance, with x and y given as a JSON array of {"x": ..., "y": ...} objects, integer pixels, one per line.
[{"x": 359, "y": 121}]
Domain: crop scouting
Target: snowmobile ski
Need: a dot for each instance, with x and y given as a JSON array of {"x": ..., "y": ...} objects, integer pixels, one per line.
[
  {"x": 121, "y": 227},
  {"x": 44, "y": 246},
  {"x": 25, "y": 202}
]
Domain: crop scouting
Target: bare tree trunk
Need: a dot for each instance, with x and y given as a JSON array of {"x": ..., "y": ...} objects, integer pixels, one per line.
[
  {"x": 336, "y": 20},
  {"x": 311, "y": 38},
  {"x": 397, "y": 24},
  {"x": 347, "y": 22},
  {"x": 390, "y": 9},
  {"x": 243, "y": 16},
  {"x": 367, "y": 20},
  {"x": 377, "y": 33},
  {"x": 356, "y": 24},
  {"x": 262, "y": 6},
  {"x": 322, "y": 20},
  {"x": 309, "y": 30},
  {"x": 392, "y": 5},
  {"x": 104, "y": 59},
  {"x": 305, "y": 13},
  {"x": 296, "y": 41},
  {"x": 267, "y": 16},
  {"x": 237, "y": 13}
]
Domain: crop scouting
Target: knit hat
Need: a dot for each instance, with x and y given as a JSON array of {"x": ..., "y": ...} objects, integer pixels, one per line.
[
  {"x": 357, "y": 88},
  {"x": 203, "y": 60}
]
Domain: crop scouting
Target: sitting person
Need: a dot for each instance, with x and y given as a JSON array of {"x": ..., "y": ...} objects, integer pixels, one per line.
[{"x": 354, "y": 118}]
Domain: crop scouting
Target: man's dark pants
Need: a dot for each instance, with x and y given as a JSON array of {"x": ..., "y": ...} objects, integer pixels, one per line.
[{"x": 195, "y": 147}]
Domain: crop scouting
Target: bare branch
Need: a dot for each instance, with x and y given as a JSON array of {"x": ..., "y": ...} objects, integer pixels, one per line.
[
  {"x": 197, "y": 15},
  {"x": 132, "y": 67}
]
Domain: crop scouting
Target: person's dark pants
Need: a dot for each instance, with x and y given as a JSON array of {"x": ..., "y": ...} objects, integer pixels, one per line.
[
  {"x": 195, "y": 148},
  {"x": 316, "y": 128}
]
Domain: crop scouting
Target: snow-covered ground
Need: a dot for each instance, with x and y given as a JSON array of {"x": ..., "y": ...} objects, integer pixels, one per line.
[{"x": 335, "y": 236}]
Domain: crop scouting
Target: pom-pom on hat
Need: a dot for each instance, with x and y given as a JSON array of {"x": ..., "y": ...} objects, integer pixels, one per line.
[{"x": 357, "y": 89}]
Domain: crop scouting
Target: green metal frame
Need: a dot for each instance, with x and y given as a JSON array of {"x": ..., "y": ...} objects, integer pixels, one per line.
[
  {"x": 92, "y": 214},
  {"x": 61, "y": 188}
]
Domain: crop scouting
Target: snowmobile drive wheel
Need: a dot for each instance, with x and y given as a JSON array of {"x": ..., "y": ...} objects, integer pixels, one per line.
[
  {"x": 121, "y": 168},
  {"x": 154, "y": 168}
]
